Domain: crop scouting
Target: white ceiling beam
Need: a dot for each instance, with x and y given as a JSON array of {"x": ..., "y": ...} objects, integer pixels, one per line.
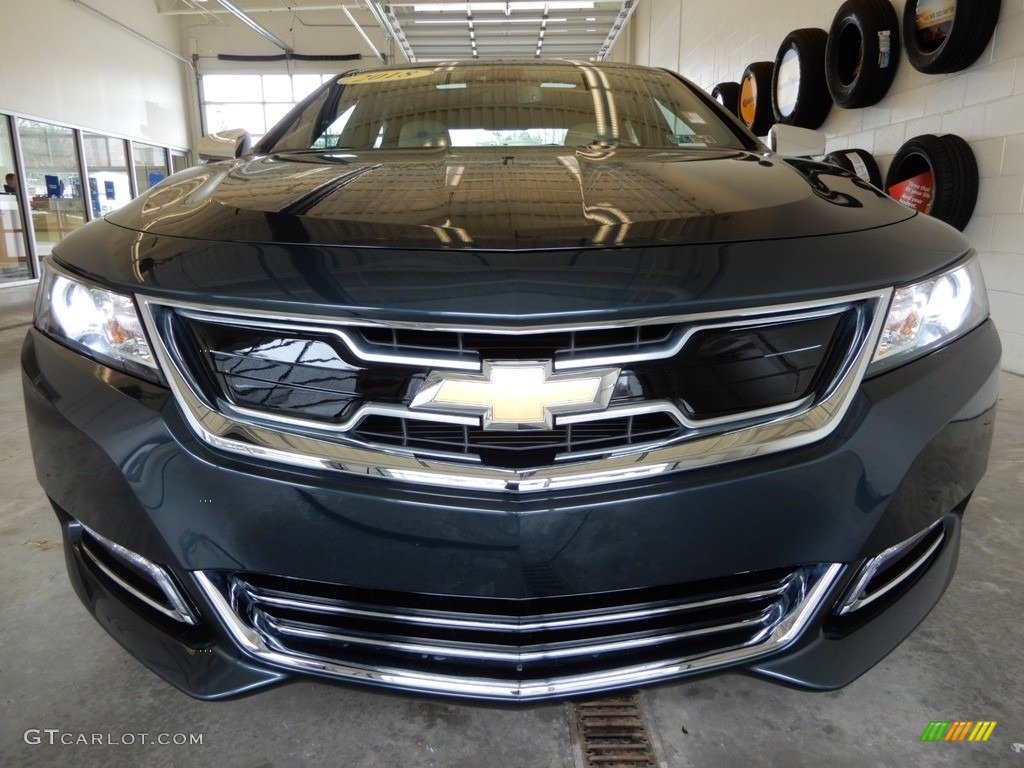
[
  {"x": 628, "y": 6},
  {"x": 173, "y": 8},
  {"x": 254, "y": 25},
  {"x": 366, "y": 37}
]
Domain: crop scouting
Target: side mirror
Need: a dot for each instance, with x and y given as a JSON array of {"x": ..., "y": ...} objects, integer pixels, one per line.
[
  {"x": 796, "y": 142},
  {"x": 225, "y": 145}
]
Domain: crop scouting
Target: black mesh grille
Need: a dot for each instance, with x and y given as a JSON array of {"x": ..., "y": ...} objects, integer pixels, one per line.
[
  {"x": 303, "y": 374},
  {"x": 728, "y": 371}
]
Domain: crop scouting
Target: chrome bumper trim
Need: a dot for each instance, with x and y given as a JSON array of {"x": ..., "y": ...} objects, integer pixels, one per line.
[
  {"x": 178, "y": 610},
  {"x": 781, "y": 635},
  {"x": 857, "y": 595}
]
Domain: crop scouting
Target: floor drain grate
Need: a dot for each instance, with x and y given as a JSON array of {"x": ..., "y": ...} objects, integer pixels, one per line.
[{"x": 611, "y": 733}]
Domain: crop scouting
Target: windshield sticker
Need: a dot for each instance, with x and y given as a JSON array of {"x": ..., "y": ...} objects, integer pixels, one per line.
[
  {"x": 386, "y": 76},
  {"x": 694, "y": 140}
]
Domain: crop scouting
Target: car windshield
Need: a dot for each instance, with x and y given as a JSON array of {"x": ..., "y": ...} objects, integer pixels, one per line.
[{"x": 504, "y": 105}]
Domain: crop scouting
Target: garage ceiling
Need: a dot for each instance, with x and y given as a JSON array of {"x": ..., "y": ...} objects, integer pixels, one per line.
[
  {"x": 433, "y": 30},
  {"x": 573, "y": 29}
]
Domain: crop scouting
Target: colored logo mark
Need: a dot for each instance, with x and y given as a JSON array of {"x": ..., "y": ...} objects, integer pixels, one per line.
[{"x": 958, "y": 730}]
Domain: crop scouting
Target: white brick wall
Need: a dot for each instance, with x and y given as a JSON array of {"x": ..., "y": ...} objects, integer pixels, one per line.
[{"x": 710, "y": 41}]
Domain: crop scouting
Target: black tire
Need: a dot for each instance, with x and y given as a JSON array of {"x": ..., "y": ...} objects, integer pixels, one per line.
[
  {"x": 799, "y": 92},
  {"x": 858, "y": 162},
  {"x": 952, "y": 189},
  {"x": 863, "y": 52},
  {"x": 755, "y": 109},
  {"x": 950, "y": 42},
  {"x": 728, "y": 95}
]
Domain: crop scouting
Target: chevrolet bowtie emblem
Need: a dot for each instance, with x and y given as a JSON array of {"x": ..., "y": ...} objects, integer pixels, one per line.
[{"x": 517, "y": 395}]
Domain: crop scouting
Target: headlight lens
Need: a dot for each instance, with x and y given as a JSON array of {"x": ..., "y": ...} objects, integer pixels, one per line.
[
  {"x": 98, "y": 322},
  {"x": 931, "y": 313}
]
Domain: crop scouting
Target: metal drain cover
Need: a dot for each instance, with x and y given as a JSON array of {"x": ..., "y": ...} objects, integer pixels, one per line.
[{"x": 611, "y": 733}]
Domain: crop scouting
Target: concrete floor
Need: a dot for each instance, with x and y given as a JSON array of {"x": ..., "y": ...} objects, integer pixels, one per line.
[{"x": 60, "y": 670}]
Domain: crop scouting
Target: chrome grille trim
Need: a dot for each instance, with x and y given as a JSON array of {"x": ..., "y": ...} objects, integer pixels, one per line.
[
  {"x": 257, "y": 436},
  {"x": 676, "y": 343},
  {"x": 355, "y": 345},
  {"x": 810, "y": 591},
  {"x": 545, "y": 653},
  {"x": 483, "y": 623},
  {"x": 467, "y": 361}
]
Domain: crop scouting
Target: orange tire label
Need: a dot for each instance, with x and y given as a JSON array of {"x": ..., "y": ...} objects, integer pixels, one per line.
[
  {"x": 748, "y": 100},
  {"x": 916, "y": 192}
]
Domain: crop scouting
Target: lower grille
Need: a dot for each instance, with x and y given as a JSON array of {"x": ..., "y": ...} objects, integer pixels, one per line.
[{"x": 517, "y": 649}]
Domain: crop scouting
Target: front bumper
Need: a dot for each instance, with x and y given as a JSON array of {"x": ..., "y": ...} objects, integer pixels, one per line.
[{"x": 112, "y": 454}]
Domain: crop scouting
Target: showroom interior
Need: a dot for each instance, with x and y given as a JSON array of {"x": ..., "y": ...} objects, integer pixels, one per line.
[{"x": 100, "y": 100}]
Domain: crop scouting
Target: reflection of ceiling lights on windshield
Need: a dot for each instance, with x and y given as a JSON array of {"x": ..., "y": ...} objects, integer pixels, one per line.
[{"x": 505, "y": 7}]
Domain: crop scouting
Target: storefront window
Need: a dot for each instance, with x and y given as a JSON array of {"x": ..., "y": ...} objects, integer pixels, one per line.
[
  {"x": 106, "y": 163},
  {"x": 13, "y": 245},
  {"x": 53, "y": 185},
  {"x": 179, "y": 161},
  {"x": 150, "y": 166}
]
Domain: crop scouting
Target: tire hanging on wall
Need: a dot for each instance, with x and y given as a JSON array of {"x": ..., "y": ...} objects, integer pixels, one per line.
[
  {"x": 937, "y": 175},
  {"x": 858, "y": 162},
  {"x": 728, "y": 95},
  {"x": 755, "y": 110},
  {"x": 946, "y": 35},
  {"x": 799, "y": 92},
  {"x": 863, "y": 52}
]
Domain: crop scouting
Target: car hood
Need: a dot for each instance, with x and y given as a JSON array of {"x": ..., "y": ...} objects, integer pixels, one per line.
[
  {"x": 532, "y": 237},
  {"x": 510, "y": 198}
]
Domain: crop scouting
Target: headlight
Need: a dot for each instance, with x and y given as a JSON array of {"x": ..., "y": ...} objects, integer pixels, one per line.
[
  {"x": 95, "y": 321},
  {"x": 931, "y": 313}
]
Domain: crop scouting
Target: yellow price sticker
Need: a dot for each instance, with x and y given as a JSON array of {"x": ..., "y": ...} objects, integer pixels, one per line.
[{"x": 386, "y": 76}]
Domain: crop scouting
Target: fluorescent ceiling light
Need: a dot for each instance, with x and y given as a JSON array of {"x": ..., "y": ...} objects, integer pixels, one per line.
[
  {"x": 513, "y": 5},
  {"x": 489, "y": 21}
]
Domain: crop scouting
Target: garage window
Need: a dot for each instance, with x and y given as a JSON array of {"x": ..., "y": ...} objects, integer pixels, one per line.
[{"x": 253, "y": 102}]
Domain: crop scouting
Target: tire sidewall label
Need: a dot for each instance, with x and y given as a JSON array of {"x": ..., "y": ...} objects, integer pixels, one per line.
[
  {"x": 788, "y": 89},
  {"x": 934, "y": 19}
]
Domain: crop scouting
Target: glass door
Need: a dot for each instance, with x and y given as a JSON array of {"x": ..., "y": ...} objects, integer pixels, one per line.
[
  {"x": 179, "y": 161},
  {"x": 14, "y": 259},
  {"x": 106, "y": 165},
  {"x": 150, "y": 166},
  {"x": 53, "y": 183}
]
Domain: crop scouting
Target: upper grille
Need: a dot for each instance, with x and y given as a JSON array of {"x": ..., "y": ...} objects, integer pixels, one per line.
[
  {"x": 705, "y": 373},
  {"x": 311, "y": 391},
  {"x": 511, "y": 644}
]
